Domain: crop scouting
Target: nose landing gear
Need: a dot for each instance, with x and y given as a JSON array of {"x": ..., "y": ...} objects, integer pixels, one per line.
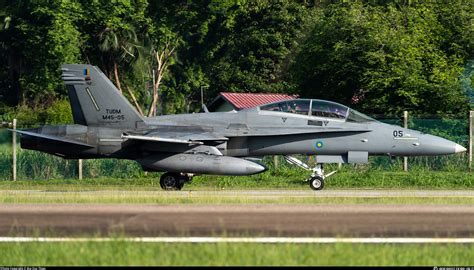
[{"x": 316, "y": 180}]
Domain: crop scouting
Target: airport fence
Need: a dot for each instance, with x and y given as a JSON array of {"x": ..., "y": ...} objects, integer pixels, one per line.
[{"x": 33, "y": 165}]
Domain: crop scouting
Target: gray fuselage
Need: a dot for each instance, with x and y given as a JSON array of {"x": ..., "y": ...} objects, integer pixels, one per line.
[{"x": 253, "y": 132}]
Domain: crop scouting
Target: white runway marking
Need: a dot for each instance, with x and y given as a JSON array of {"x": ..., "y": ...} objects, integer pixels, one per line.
[{"x": 258, "y": 240}]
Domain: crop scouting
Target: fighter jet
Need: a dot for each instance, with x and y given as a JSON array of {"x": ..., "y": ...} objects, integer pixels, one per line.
[{"x": 220, "y": 143}]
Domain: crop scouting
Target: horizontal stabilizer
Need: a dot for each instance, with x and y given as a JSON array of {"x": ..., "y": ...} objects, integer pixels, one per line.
[{"x": 53, "y": 138}]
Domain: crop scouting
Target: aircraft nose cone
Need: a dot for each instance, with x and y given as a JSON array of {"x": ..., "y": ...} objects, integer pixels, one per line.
[
  {"x": 459, "y": 149},
  {"x": 433, "y": 145}
]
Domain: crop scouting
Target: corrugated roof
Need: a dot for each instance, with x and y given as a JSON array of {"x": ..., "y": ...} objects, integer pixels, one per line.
[{"x": 249, "y": 100}]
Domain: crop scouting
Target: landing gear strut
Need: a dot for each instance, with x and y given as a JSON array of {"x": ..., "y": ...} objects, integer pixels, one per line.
[
  {"x": 316, "y": 180},
  {"x": 174, "y": 181}
]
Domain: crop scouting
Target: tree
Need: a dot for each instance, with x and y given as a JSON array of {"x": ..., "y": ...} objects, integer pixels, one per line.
[
  {"x": 163, "y": 55},
  {"x": 378, "y": 56},
  {"x": 115, "y": 32},
  {"x": 242, "y": 46},
  {"x": 41, "y": 36},
  {"x": 120, "y": 46},
  {"x": 381, "y": 59}
]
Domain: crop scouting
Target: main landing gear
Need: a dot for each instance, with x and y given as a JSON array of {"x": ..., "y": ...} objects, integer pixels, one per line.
[
  {"x": 174, "y": 181},
  {"x": 316, "y": 180}
]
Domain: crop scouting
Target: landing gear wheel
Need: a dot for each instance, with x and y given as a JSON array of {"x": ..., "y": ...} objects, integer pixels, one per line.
[
  {"x": 316, "y": 183},
  {"x": 171, "y": 181},
  {"x": 181, "y": 180}
]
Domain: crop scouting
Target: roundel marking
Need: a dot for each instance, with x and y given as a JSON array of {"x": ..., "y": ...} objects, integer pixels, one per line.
[{"x": 319, "y": 144}]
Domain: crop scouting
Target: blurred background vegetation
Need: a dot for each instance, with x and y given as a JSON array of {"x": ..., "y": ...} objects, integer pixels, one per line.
[{"x": 379, "y": 57}]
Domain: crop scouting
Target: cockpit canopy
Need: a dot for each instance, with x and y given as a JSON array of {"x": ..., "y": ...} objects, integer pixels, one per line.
[{"x": 317, "y": 108}]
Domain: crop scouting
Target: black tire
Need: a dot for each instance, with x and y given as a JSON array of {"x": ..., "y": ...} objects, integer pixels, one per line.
[
  {"x": 179, "y": 186},
  {"x": 316, "y": 183},
  {"x": 170, "y": 181},
  {"x": 182, "y": 179}
]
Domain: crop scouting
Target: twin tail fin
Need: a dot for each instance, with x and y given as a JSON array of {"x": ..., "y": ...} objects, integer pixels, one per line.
[{"x": 95, "y": 101}]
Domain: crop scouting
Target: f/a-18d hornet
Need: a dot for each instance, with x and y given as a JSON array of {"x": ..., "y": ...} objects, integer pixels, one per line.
[{"x": 220, "y": 143}]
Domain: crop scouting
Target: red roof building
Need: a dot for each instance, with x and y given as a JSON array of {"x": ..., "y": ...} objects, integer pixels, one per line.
[{"x": 239, "y": 101}]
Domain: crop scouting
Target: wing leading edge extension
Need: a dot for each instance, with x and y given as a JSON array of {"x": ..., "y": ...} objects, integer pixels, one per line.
[{"x": 275, "y": 131}]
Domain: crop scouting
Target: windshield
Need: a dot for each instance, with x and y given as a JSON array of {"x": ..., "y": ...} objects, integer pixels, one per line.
[
  {"x": 319, "y": 108},
  {"x": 355, "y": 116},
  {"x": 322, "y": 108},
  {"x": 298, "y": 106}
]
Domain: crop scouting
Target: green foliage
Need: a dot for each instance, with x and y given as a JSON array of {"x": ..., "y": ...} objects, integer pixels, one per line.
[
  {"x": 250, "y": 56},
  {"x": 239, "y": 46},
  {"x": 26, "y": 116},
  {"x": 44, "y": 37},
  {"x": 377, "y": 56},
  {"x": 59, "y": 113},
  {"x": 386, "y": 58},
  {"x": 112, "y": 30}
]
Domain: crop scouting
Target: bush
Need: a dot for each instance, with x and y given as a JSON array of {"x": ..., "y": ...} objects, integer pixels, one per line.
[{"x": 59, "y": 113}]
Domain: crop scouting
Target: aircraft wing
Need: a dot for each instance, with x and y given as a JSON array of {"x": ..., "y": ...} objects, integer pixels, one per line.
[
  {"x": 188, "y": 138},
  {"x": 180, "y": 141},
  {"x": 52, "y": 137},
  {"x": 159, "y": 139}
]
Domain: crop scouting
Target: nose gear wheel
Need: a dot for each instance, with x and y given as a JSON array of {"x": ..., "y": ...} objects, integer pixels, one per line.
[{"x": 316, "y": 180}]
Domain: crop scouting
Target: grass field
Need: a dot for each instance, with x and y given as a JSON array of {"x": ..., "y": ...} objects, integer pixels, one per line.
[
  {"x": 163, "y": 197},
  {"x": 147, "y": 190},
  {"x": 223, "y": 254},
  {"x": 269, "y": 180}
]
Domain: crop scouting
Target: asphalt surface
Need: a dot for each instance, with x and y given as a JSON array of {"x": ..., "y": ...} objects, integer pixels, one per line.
[{"x": 237, "y": 220}]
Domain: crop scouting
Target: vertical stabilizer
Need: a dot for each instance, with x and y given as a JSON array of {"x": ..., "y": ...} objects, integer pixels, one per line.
[{"x": 95, "y": 101}]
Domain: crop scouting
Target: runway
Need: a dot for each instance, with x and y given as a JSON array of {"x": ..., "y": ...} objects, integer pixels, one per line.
[{"x": 263, "y": 220}]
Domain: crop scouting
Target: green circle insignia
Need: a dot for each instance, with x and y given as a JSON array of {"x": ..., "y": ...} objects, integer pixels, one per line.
[{"x": 319, "y": 144}]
